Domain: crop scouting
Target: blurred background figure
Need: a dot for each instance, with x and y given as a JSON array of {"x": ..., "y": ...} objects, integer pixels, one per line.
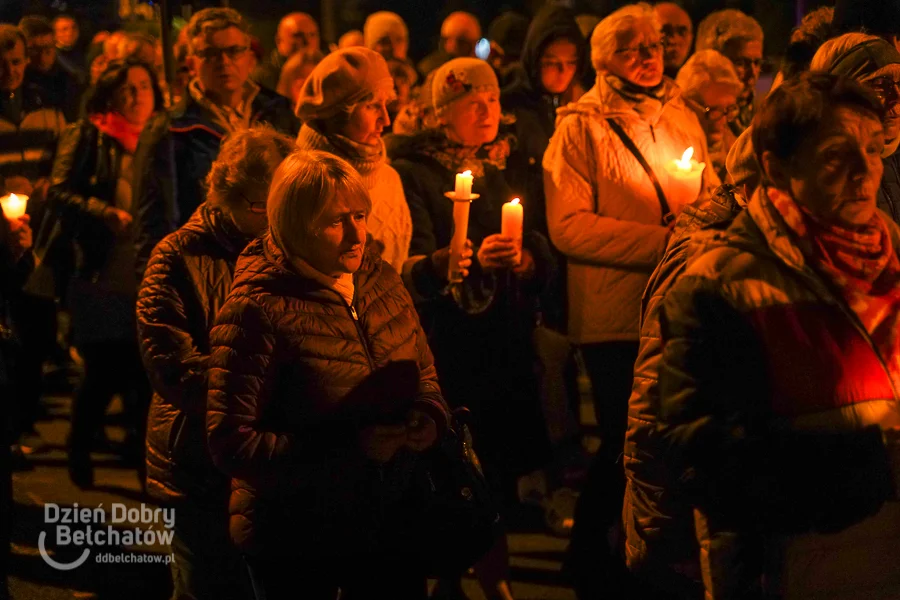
[
  {"x": 459, "y": 33},
  {"x": 112, "y": 45},
  {"x": 710, "y": 87},
  {"x": 386, "y": 33},
  {"x": 96, "y": 62},
  {"x": 814, "y": 30},
  {"x": 678, "y": 35},
  {"x": 352, "y": 38},
  {"x": 740, "y": 38},
  {"x": 60, "y": 86},
  {"x": 294, "y": 74},
  {"x": 91, "y": 190},
  {"x": 507, "y": 35},
  {"x": 297, "y": 33},
  {"x": 69, "y": 46},
  {"x": 405, "y": 76}
]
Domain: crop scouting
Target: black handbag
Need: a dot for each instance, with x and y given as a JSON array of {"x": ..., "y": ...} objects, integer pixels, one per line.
[{"x": 456, "y": 520}]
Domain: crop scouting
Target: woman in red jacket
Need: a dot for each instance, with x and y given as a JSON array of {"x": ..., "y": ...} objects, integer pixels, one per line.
[{"x": 314, "y": 313}]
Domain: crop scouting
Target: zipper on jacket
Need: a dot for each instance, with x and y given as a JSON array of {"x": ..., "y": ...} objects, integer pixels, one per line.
[
  {"x": 362, "y": 336},
  {"x": 653, "y": 134}
]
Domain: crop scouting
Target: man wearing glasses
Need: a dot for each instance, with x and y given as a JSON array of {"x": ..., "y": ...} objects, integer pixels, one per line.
[
  {"x": 678, "y": 35},
  {"x": 177, "y": 150}
]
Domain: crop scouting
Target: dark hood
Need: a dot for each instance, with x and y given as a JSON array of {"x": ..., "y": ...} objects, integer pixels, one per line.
[{"x": 551, "y": 23}]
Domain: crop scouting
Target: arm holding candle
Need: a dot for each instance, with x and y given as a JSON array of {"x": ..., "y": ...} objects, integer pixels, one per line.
[{"x": 577, "y": 228}]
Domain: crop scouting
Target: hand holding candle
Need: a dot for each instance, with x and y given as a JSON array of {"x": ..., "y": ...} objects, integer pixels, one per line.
[
  {"x": 14, "y": 205},
  {"x": 511, "y": 225},
  {"x": 685, "y": 177}
]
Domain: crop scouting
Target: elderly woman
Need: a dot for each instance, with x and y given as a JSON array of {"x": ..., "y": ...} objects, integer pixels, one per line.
[
  {"x": 481, "y": 331},
  {"x": 710, "y": 87},
  {"x": 186, "y": 283},
  {"x": 611, "y": 217},
  {"x": 313, "y": 313},
  {"x": 343, "y": 109},
  {"x": 781, "y": 364},
  {"x": 875, "y": 63},
  {"x": 91, "y": 190},
  {"x": 740, "y": 38}
]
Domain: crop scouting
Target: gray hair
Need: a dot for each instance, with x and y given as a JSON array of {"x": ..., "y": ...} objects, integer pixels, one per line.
[
  {"x": 211, "y": 20},
  {"x": 704, "y": 68},
  {"x": 723, "y": 27},
  {"x": 302, "y": 188},
  {"x": 604, "y": 38}
]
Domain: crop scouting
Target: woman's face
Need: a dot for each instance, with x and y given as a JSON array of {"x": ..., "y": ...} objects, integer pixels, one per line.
[
  {"x": 474, "y": 119},
  {"x": 367, "y": 121},
  {"x": 721, "y": 102},
  {"x": 746, "y": 55},
  {"x": 338, "y": 238},
  {"x": 558, "y": 63},
  {"x": 134, "y": 98},
  {"x": 638, "y": 57},
  {"x": 249, "y": 213},
  {"x": 836, "y": 175}
]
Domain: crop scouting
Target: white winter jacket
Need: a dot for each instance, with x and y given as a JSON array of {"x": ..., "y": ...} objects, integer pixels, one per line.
[{"x": 602, "y": 210}]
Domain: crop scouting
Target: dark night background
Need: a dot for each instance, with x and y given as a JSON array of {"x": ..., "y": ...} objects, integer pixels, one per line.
[{"x": 777, "y": 17}]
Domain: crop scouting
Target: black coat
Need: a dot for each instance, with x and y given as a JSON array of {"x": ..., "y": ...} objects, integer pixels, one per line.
[
  {"x": 889, "y": 191},
  {"x": 174, "y": 156}
]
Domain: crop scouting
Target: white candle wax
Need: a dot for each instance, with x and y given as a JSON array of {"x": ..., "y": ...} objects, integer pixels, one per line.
[
  {"x": 511, "y": 224},
  {"x": 458, "y": 241},
  {"x": 13, "y": 205},
  {"x": 685, "y": 178},
  {"x": 463, "y": 185}
]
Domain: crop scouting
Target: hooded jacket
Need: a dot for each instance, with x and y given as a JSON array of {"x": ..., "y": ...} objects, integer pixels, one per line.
[
  {"x": 773, "y": 398},
  {"x": 602, "y": 210},
  {"x": 185, "y": 285}
]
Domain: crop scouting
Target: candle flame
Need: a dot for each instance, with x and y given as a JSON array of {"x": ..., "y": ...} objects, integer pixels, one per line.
[
  {"x": 13, "y": 198},
  {"x": 466, "y": 173},
  {"x": 515, "y": 201},
  {"x": 685, "y": 162}
]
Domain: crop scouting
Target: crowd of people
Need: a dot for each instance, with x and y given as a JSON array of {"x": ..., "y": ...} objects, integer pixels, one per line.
[{"x": 260, "y": 258}]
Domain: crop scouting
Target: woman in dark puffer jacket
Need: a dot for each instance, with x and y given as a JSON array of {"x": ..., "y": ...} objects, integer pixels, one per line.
[
  {"x": 312, "y": 315},
  {"x": 185, "y": 284}
]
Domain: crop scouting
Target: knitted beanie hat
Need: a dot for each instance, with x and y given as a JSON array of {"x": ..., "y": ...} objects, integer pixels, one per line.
[
  {"x": 381, "y": 24},
  {"x": 343, "y": 78},
  {"x": 459, "y": 77}
]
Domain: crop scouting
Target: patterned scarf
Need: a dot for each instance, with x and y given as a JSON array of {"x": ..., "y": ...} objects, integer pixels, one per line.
[
  {"x": 228, "y": 118},
  {"x": 118, "y": 128},
  {"x": 457, "y": 158},
  {"x": 647, "y": 102},
  {"x": 861, "y": 262}
]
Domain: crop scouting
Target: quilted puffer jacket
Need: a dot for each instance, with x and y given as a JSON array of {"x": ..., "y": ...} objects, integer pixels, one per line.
[
  {"x": 660, "y": 543},
  {"x": 603, "y": 212},
  {"x": 287, "y": 351},
  {"x": 773, "y": 403},
  {"x": 185, "y": 285}
]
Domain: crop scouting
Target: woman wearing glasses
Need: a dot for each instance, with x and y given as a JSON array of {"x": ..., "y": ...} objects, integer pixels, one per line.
[
  {"x": 710, "y": 87},
  {"x": 875, "y": 63},
  {"x": 185, "y": 285},
  {"x": 611, "y": 217}
]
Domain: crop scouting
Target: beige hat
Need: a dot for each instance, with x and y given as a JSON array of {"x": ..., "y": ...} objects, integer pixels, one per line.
[
  {"x": 459, "y": 77},
  {"x": 381, "y": 24},
  {"x": 343, "y": 78}
]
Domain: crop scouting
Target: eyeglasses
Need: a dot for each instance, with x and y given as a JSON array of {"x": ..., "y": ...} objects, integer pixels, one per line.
[
  {"x": 642, "y": 50},
  {"x": 258, "y": 208},
  {"x": 747, "y": 63},
  {"x": 714, "y": 113},
  {"x": 213, "y": 53},
  {"x": 885, "y": 89}
]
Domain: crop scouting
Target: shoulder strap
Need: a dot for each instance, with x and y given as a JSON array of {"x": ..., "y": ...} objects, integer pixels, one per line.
[{"x": 667, "y": 216}]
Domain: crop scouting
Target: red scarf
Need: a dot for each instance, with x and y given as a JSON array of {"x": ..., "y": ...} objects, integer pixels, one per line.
[
  {"x": 863, "y": 265},
  {"x": 117, "y": 127}
]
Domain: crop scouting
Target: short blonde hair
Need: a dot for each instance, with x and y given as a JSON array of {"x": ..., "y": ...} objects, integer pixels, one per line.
[
  {"x": 247, "y": 160},
  {"x": 723, "y": 27},
  {"x": 302, "y": 188},
  {"x": 604, "y": 41},
  {"x": 704, "y": 68}
]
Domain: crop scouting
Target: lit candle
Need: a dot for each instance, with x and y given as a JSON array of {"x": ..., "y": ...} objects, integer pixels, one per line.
[
  {"x": 14, "y": 205},
  {"x": 685, "y": 176},
  {"x": 464, "y": 185},
  {"x": 511, "y": 224}
]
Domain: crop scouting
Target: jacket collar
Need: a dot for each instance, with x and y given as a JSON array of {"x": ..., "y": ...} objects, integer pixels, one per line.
[
  {"x": 603, "y": 101},
  {"x": 223, "y": 230}
]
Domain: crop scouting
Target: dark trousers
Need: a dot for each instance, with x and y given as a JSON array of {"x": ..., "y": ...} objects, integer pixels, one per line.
[
  {"x": 288, "y": 577},
  {"x": 112, "y": 367},
  {"x": 595, "y": 560},
  {"x": 34, "y": 318},
  {"x": 206, "y": 564}
]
